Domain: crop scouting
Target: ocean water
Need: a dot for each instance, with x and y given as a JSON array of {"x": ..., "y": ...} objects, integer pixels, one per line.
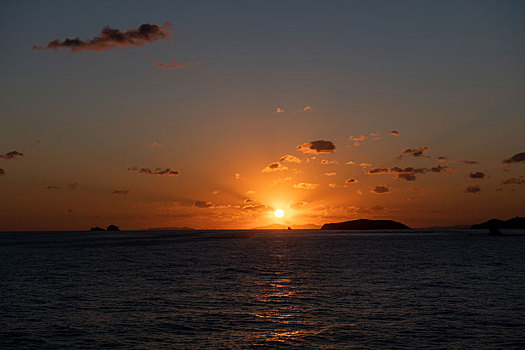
[{"x": 273, "y": 289}]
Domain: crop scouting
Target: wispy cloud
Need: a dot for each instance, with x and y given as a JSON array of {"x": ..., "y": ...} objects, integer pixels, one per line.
[
  {"x": 306, "y": 186},
  {"x": 380, "y": 189},
  {"x": 307, "y": 109},
  {"x": 316, "y": 147},
  {"x": 173, "y": 64},
  {"x": 156, "y": 171},
  {"x": 110, "y": 38},
  {"x": 290, "y": 159},
  {"x": 279, "y": 110},
  {"x": 394, "y": 132},
  {"x": 53, "y": 187},
  {"x": 121, "y": 192},
  {"x": 329, "y": 162},
  {"x": 330, "y": 174},
  {"x": 12, "y": 155},
  {"x": 514, "y": 181},
  {"x": 72, "y": 186},
  {"x": 469, "y": 162},
  {"x": 477, "y": 175},
  {"x": 203, "y": 204}
]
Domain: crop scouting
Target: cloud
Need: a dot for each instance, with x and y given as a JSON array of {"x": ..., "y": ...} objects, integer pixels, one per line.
[
  {"x": 330, "y": 174},
  {"x": 472, "y": 189},
  {"x": 380, "y": 189},
  {"x": 121, "y": 192},
  {"x": 290, "y": 159},
  {"x": 416, "y": 152},
  {"x": 279, "y": 110},
  {"x": 517, "y": 158},
  {"x": 52, "y": 187},
  {"x": 12, "y": 155},
  {"x": 319, "y": 146},
  {"x": 72, "y": 186},
  {"x": 173, "y": 64},
  {"x": 110, "y": 38},
  {"x": 307, "y": 108},
  {"x": 275, "y": 166},
  {"x": 514, "y": 181},
  {"x": 2, "y": 172},
  {"x": 477, "y": 175},
  {"x": 203, "y": 204},
  {"x": 469, "y": 162},
  {"x": 215, "y": 192},
  {"x": 306, "y": 186},
  {"x": 442, "y": 159},
  {"x": 237, "y": 176},
  {"x": 351, "y": 180},
  {"x": 379, "y": 171},
  {"x": 407, "y": 177},
  {"x": 394, "y": 132},
  {"x": 358, "y": 138},
  {"x": 156, "y": 171},
  {"x": 155, "y": 144},
  {"x": 350, "y": 163},
  {"x": 328, "y": 162},
  {"x": 298, "y": 205}
]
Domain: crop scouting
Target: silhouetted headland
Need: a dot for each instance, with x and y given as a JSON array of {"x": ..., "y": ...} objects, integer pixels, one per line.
[
  {"x": 514, "y": 223},
  {"x": 364, "y": 224},
  {"x": 109, "y": 228}
]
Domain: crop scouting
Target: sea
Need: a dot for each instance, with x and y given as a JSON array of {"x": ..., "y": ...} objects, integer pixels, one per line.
[{"x": 301, "y": 289}]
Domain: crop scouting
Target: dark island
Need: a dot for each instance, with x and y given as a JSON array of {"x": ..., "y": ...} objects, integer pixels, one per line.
[
  {"x": 109, "y": 228},
  {"x": 364, "y": 224},
  {"x": 514, "y": 223}
]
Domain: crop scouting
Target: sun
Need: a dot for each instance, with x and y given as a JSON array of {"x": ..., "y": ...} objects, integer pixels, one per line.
[{"x": 279, "y": 213}]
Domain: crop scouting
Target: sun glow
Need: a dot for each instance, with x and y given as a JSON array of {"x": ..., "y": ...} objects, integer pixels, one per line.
[{"x": 279, "y": 213}]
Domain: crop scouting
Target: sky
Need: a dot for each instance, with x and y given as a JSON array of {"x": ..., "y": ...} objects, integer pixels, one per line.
[{"x": 212, "y": 115}]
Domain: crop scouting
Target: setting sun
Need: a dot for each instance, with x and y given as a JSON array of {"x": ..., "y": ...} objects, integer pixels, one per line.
[{"x": 279, "y": 213}]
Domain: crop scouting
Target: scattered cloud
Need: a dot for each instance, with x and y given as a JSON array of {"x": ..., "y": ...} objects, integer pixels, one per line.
[
  {"x": 416, "y": 152},
  {"x": 351, "y": 180},
  {"x": 52, "y": 187},
  {"x": 365, "y": 165},
  {"x": 517, "y": 158},
  {"x": 298, "y": 205},
  {"x": 237, "y": 176},
  {"x": 328, "y": 162},
  {"x": 358, "y": 138},
  {"x": 380, "y": 189},
  {"x": 173, "y": 64},
  {"x": 408, "y": 173},
  {"x": 110, "y": 38},
  {"x": 72, "y": 186},
  {"x": 330, "y": 174},
  {"x": 279, "y": 110},
  {"x": 156, "y": 171},
  {"x": 12, "y": 155},
  {"x": 203, "y": 204},
  {"x": 306, "y": 186},
  {"x": 394, "y": 132},
  {"x": 349, "y": 163},
  {"x": 469, "y": 162},
  {"x": 473, "y": 189},
  {"x": 477, "y": 175},
  {"x": 319, "y": 146},
  {"x": 250, "y": 192},
  {"x": 379, "y": 171},
  {"x": 514, "y": 181},
  {"x": 442, "y": 159},
  {"x": 215, "y": 192},
  {"x": 407, "y": 177},
  {"x": 275, "y": 166},
  {"x": 121, "y": 192},
  {"x": 281, "y": 180},
  {"x": 290, "y": 159},
  {"x": 307, "y": 108}
]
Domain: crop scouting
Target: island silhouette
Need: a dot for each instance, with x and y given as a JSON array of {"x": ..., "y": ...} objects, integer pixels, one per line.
[
  {"x": 109, "y": 228},
  {"x": 365, "y": 224},
  {"x": 514, "y": 223}
]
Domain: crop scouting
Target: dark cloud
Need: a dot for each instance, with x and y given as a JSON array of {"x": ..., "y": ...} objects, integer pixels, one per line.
[
  {"x": 469, "y": 162},
  {"x": 380, "y": 189},
  {"x": 203, "y": 204},
  {"x": 439, "y": 169},
  {"x": 477, "y": 175},
  {"x": 110, "y": 38},
  {"x": 12, "y": 155},
  {"x": 351, "y": 180},
  {"x": 472, "y": 189},
  {"x": 442, "y": 159},
  {"x": 406, "y": 177},
  {"x": 511, "y": 181},
  {"x": 72, "y": 186},
  {"x": 2, "y": 172},
  {"x": 394, "y": 132},
  {"x": 52, "y": 187},
  {"x": 416, "y": 152},
  {"x": 379, "y": 171},
  {"x": 319, "y": 146},
  {"x": 121, "y": 192},
  {"x": 517, "y": 158},
  {"x": 156, "y": 171},
  {"x": 275, "y": 166},
  {"x": 408, "y": 170}
]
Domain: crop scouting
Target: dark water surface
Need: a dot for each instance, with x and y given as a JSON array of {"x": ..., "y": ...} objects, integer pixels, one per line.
[{"x": 307, "y": 289}]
